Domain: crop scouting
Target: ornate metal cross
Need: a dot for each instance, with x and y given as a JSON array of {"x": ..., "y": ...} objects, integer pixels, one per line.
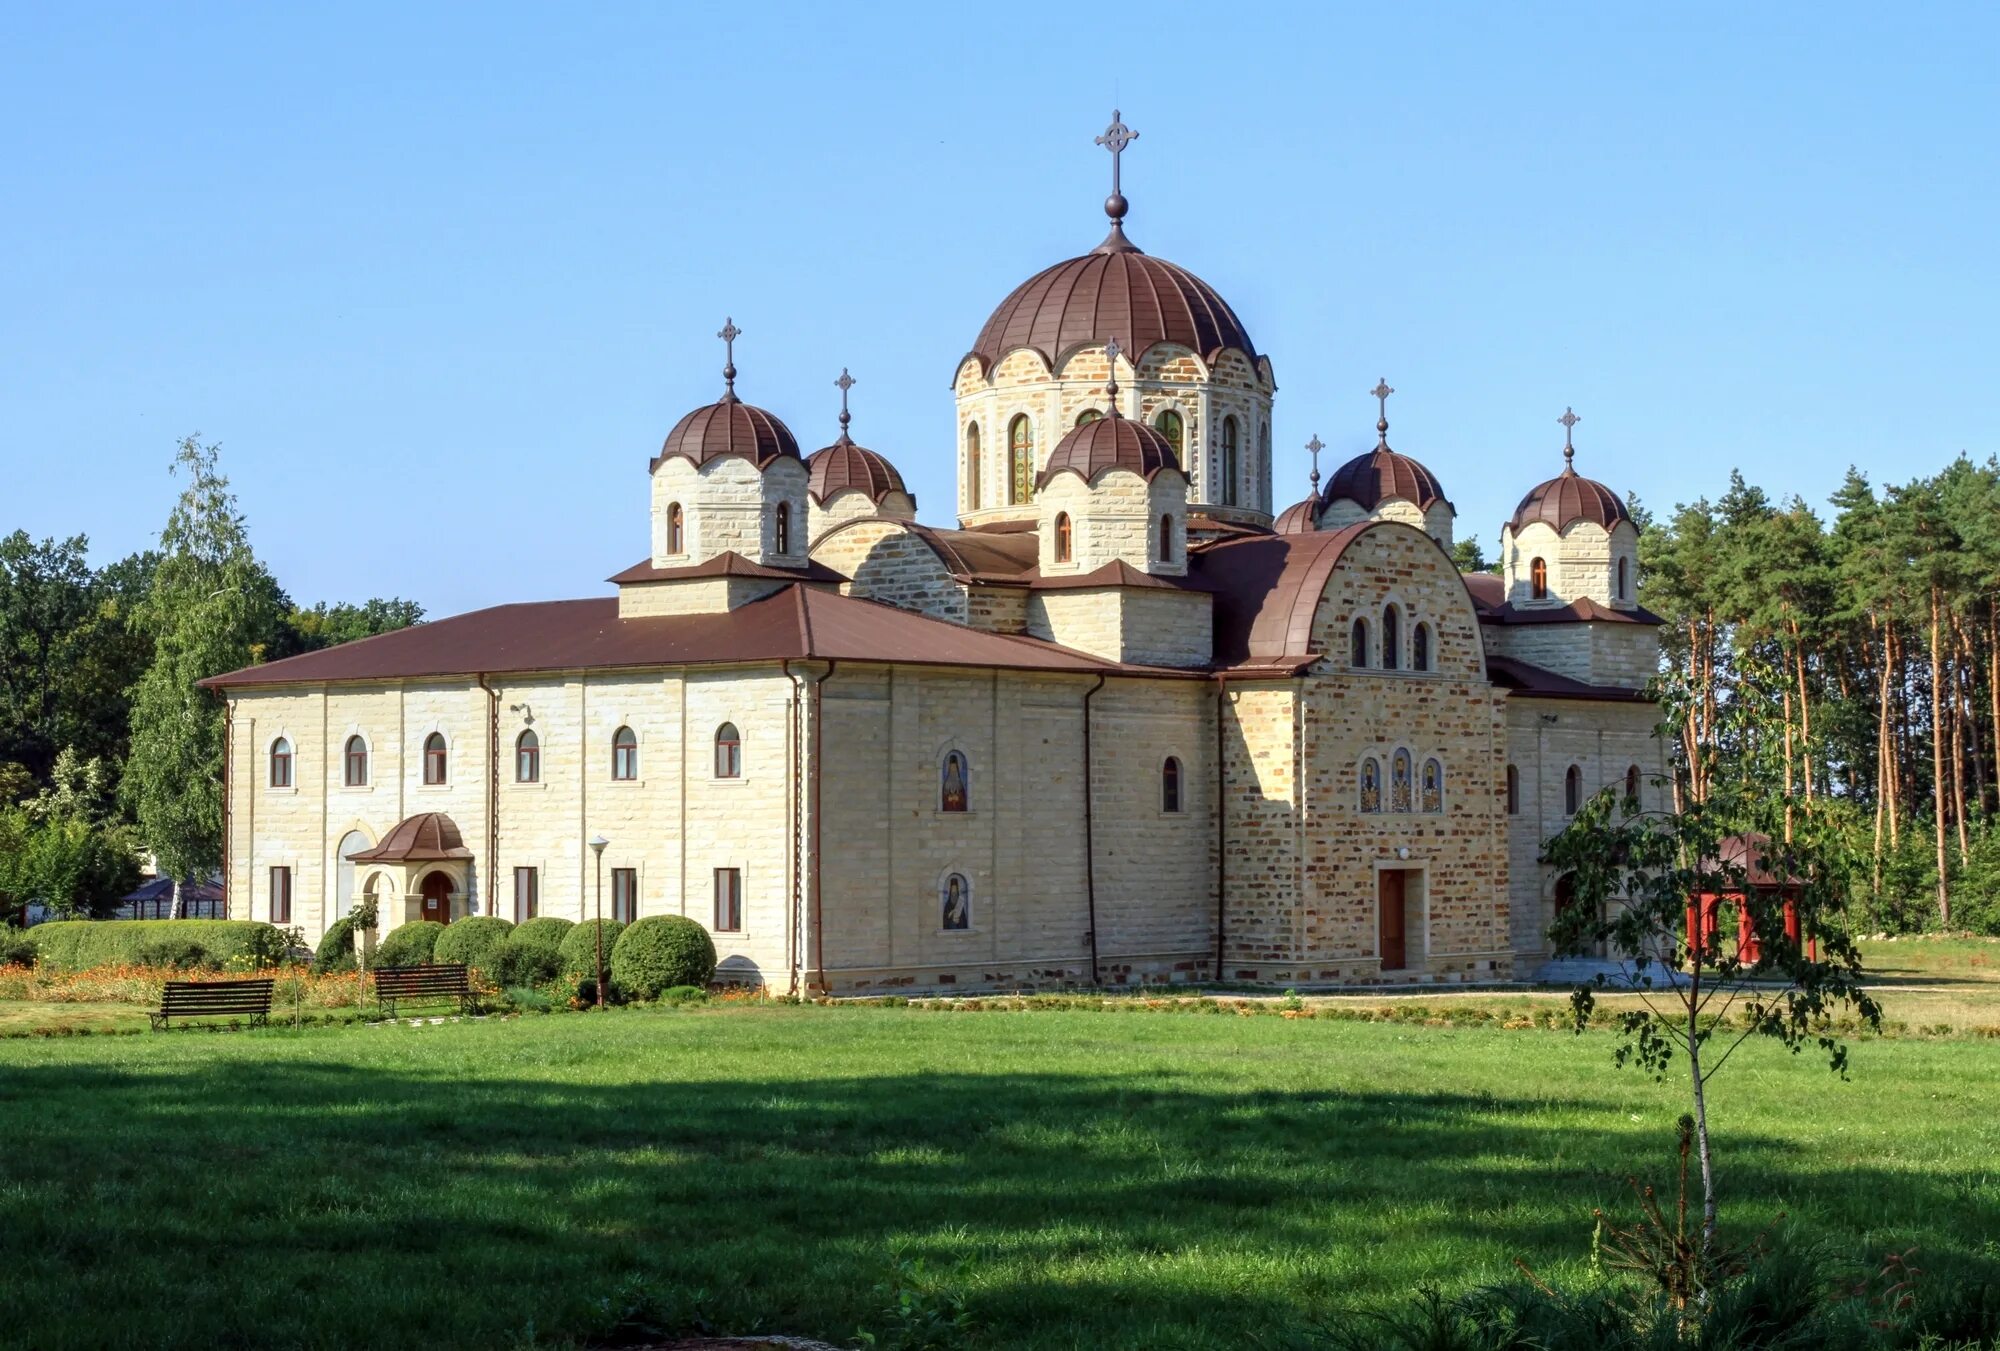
[
  {"x": 1315, "y": 446},
  {"x": 1115, "y": 138},
  {"x": 843, "y": 384},
  {"x": 729, "y": 333},
  {"x": 1569, "y": 419},
  {"x": 1381, "y": 393},
  {"x": 1111, "y": 351}
]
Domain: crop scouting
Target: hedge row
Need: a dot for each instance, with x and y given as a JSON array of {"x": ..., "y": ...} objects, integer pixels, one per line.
[{"x": 81, "y": 944}]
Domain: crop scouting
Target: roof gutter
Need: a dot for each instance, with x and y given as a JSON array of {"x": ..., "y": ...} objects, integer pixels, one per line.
[
  {"x": 1089, "y": 835},
  {"x": 492, "y": 796}
]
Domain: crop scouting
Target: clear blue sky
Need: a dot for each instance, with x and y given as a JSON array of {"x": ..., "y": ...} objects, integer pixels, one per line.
[{"x": 439, "y": 278}]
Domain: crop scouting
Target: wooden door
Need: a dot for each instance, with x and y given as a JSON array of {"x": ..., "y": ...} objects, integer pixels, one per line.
[
  {"x": 1389, "y": 899},
  {"x": 437, "y": 898}
]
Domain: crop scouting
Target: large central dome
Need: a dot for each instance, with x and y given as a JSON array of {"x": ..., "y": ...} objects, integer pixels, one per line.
[{"x": 1114, "y": 291}]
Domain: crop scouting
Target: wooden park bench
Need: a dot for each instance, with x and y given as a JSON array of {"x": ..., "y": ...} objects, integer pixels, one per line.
[
  {"x": 213, "y": 999},
  {"x": 445, "y": 980}
]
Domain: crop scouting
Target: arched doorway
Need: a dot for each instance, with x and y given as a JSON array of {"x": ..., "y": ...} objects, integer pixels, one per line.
[{"x": 436, "y": 893}]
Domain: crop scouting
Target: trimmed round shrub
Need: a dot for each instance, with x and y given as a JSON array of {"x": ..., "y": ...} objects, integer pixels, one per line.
[
  {"x": 336, "y": 950},
  {"x": 84, "y": 944},
  {"x": 659, "y": 952},
  {"x": 579, "y": 948},
  {"x": 532, "y": 954},
  {"x": 16, "y": 948},
  {"x": 178, "y": 952},
  {"x": 475, "y": 940},
  {"x": 410, "y": 945}
]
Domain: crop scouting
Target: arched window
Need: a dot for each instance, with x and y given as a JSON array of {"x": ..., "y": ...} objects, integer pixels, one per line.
[
  {"x": 354, "y": 763},
  {"x": 434, "y": 758},
  {"x": 1392, "y": 637},
  {"x": 1371, "y": 785},
  {"x": 527, "y": 758},
  {"x": 954, "y": 784},
  {"x": 1420, "y": 648},
  {"x": 281, "y": 763},
  {"x": 1166, "y": 539},
  {"x": 1513, "y": 791},
  {"x": 955, "y": 903},
  {"x": 972, "y": 466},
  {"x": 1623, "y": 578},
  {"x": 728, "y": 752},
  {"x": 781, "y": 528},
  {"x": 1064, "y": 543},
  {"x": 1632, "y": 784},
  {"x": 1538, "y": 579},
  {"x": 1170, "y": 425},
  {"x": 1263, "y": 457},
  {"x": 1170, "y": 784},
  {"x": 1088, "y": 416},
  {"x": 1433, "y": 786},
  {"x": 1399, "y": 782},
  {"x": 1232, "y": 466},
  {"x": 624, "y": 755},
  {"x": 676, "y": 530},
  {"x": 1357, "y": 651},
  {"x": 1572, "y": 790},
  {"x": 1020, "y": 460}
]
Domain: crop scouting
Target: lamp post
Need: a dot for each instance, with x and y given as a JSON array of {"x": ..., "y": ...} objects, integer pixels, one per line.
[{"x": 597, "y": 847}]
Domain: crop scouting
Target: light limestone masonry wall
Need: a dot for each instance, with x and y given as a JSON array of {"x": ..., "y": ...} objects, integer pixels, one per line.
[
  {"x": 853, "y": 505},
  {"x": 889, "y": 562},
  {"x": 1544, "y": 738},
  {"x": 729, "y": 505},
  {"x": 1582, "y": 563},
  {"x": 1021, "y": 843},
  {"x": 1132, "y": 624},
  {"x": 1594, "y": 651},
  {"x": 691, "y": 595},
  {"x": 1115, "y": 518}
]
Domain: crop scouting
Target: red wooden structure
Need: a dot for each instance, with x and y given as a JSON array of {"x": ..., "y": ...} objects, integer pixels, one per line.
[{"x": 1745, "y": 853}]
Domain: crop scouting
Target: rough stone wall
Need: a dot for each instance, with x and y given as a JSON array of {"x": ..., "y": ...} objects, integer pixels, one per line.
[
  {"x": 1151, "y": 628},
  {"x": 691, "y": 595},
  {"x": 997, "y": 609},
  {"x": 1115, "y": 518},
  {"x": 1582, "y": 563},
  {"x": 729, "y": 505},
  {"x": 852, "y": 505},
  {"x": 1021, "y": 844},
  {"x": 1544, "y": 738},
  {"x": 1627, "y": 655},
  {"x": 888, "y": 562},
  {"x": 1436, "y": 522}
]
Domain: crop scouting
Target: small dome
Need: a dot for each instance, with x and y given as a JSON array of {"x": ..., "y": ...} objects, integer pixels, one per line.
[
  {"x": 425, "y": 837},
  {"x": 1567, "y": 498},
  {"x": 1113, "y": 291},
  {"x": 1298, "y": 518},
  {"x": 844, "y": 465},
  {"x": 729, "y": 427},
  {"x": 1110, "y": 443},
  {"x": 1371, "y": 479}
]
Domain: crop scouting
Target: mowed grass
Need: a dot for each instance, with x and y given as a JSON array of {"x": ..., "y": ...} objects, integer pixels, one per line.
[{"x": 1081, "y": 1179}]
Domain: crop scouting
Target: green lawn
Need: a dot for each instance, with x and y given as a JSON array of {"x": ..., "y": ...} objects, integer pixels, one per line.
[{"x": 1082, "y": 1179}]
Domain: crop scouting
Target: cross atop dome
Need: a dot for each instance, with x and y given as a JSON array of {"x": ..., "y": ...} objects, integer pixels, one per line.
[
  {"x": 1569, "y": 419},
  {"x": 1381, "y": 394},
  {"x": 843, "y": 384},
  {"x": 1315, "y": 446},
  {"x": 1111, "y": 350},
  {"x": 729, "y": 333}
]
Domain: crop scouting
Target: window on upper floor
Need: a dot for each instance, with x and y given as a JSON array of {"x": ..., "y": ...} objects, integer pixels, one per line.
[
  {"x": 1624, "y": 579},
  {"x": 1572, "y": 791},
  {"x": 1632, "y": 784},
  {"x": 1392, "y": 637},
  {"x": 354, "y": 763},
  {"x": 1170, "y": 425},
  {"x": 1357, "y": 649},
  {"x": 728, "y": 752},
  {"x": 1166, "y": 539},
  {"x": 1513, "y": 791},
  {"x": 676, "y": 530},
  {"x": 281, "y": 763},
  {"x": 1420, "y": 648},
  {"x": 1020, "y": 460},
  {"x": 1088, "y": 416},
  {"x": 527, "y": 758},
  {"x": 781, "y": 528},
  {"x": 1064, "y": 543},
  {"x": 1538, "y": 579},
  {"x": 624, "y": 754},
  {"x": 972, "y": 466},
  {"x": 1232, "y": 462},
  {"x": 435, "y": 761},
  {"x": 1170, "y": 784}
]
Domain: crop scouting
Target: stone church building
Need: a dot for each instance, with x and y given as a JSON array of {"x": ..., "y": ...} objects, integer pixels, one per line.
[{"x": 1125, "y": 720}]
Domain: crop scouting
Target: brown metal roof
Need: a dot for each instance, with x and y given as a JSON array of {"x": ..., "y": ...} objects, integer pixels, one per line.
[
  {"x": 1298, "y": 518},
  {"x": 1488, "y": 591},
  {"x": 795, "y": 623},
  {"x": 984, "y": 555},
  {"x": 425, "y": 837},
  {"x": 1567, "y": 498},
  {"x": 844, "y": 465},
  {"x": 1109, "y": 443},
  {"x": 1581, "y": 611},
  {"x": 1372, "y": 479},
  {"x": 1267, "y": 589},
  {"x": 1520, "y": 677},
  {"x": 728, "y": 563},
  {"x": 1749, "y": 853},
  {"x": 1114, "y": 291},
  {"x": 1115, "y": 573},
  {"x": 729, "y": 427}
]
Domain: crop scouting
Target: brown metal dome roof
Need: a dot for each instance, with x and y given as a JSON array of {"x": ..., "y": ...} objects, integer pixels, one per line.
[
  {"x": 425, "y": 837},
  {"x": 1567, "y": 498},
  {"x": 728, "y": 427},
  {"x": 843, "y": 465},
  {"x": 1110, "y": 443},
  {"x": 1371, "y": 479},
  {"x": 1115, "y": 289},
  {"x": 1298, "y": 518}
]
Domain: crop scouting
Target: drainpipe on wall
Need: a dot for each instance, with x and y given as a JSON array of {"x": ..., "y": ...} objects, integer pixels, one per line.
[
  {"x": 792, "y": 955},
  {"x": 1221, "y": 827},
  {"x": 492, "y": 796},
  {"x": 812, "y": 889},
  {"x": 1089, "y": 836},
  {"x": 228, "y": 745}
]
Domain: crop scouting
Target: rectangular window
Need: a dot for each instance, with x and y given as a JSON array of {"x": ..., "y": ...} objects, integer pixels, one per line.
[
  {"x": 281, "y": 895},
  {"x": 624, "y": 894},
  {"x": 527, "y": 894},
  {"x": 728, "y": 900}
]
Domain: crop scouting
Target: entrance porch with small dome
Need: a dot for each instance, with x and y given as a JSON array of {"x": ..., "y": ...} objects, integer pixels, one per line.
[{"x": 421, "y": 871}]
